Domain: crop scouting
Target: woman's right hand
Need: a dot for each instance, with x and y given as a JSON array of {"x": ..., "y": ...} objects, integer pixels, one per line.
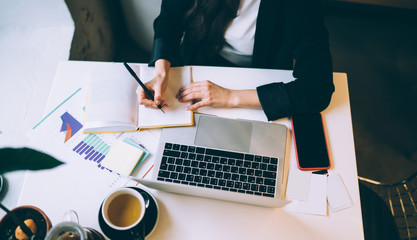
[{"x": 157, "y": 85}]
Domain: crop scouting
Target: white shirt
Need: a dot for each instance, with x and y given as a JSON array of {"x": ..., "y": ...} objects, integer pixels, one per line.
[{"x": 240, "y": 34}]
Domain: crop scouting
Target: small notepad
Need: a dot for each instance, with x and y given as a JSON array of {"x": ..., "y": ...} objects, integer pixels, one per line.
[
  {"x": 122, "y": 158},
  {"x": 145, "y": 154}
]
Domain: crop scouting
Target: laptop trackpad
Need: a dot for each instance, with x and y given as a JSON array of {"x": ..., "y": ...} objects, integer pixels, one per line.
[{"x": 223, "y": 133}]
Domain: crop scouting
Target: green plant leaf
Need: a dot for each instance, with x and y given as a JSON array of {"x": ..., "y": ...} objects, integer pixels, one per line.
[{"x": 13, "y": 159}]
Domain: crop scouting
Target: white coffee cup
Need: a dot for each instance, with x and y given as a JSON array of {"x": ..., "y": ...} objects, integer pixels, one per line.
[{"x": 123, "y": 209}]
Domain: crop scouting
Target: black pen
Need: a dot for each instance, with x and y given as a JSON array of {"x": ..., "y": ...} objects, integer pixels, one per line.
[{"x": 147, "y": 92}]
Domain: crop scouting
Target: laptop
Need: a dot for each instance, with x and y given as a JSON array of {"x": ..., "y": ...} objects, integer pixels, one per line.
[{"x": 220, "y": 158}]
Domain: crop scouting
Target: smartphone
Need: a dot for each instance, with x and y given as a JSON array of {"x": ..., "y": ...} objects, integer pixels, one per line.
[{"x": 310, "y": 142}]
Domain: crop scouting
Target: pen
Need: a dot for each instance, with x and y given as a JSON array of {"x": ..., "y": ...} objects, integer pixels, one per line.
[{"x": 147, "y": 92}]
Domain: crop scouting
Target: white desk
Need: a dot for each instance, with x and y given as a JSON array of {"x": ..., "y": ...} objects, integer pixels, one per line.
[
  {"x": 184, "y": 217},
  {"x": 34, "y": 37}
]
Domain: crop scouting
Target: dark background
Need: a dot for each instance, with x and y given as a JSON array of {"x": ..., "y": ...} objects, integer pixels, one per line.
[{"x": 374, "y": 42}]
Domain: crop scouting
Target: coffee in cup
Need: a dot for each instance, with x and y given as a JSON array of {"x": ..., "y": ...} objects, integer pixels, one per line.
[{"x": 123, "y": 209}]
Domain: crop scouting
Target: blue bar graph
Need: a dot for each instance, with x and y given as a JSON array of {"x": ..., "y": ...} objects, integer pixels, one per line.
[{"x": 92, "y": 148}]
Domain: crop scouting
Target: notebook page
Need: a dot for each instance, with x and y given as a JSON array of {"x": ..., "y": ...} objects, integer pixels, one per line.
[
  {"x": 111, "y": 97},
  {"x": 175, "y": 114}
]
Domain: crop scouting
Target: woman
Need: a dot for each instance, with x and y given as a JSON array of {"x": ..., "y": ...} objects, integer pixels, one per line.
[{"x": 275, "y": 34}]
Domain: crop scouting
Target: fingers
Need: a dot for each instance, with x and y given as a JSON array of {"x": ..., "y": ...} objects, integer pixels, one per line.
[
  {"x": 157, "y": 87},
  {"x": 191, "y": 96},
  {"x": 197, "y": 86},
  {"x": 158, "y": 95},
  {"x": 199, "y": 93},
  {"x": 151, "y": 104},
  {"x": 194, "y": 91},
  {"x": 144, "y": 100},
  {"x": 197, "y": 105}
]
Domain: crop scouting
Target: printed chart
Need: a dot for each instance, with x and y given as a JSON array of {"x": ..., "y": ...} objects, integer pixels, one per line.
[{"x": 59, "y": 133}]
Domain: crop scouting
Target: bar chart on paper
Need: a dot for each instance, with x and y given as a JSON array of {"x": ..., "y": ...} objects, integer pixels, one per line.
[
  {"x": 92, "y": 148},
  {"x": 60, "y": 133}
]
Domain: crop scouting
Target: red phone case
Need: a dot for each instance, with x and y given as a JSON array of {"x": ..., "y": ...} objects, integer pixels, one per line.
[{"x": 296, "y": 154}]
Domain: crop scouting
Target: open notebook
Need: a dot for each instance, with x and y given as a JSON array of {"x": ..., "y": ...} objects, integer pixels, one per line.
[{"x": 112, "y": 103}]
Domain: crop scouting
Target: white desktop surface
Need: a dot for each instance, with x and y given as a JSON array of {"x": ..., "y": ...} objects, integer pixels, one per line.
[
  {"x": 34, "y": 37},
  {"x": 185, "y": 217}
]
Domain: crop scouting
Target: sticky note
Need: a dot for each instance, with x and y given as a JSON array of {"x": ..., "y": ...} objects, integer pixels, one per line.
[
  {"x": 122, "y": 158},
  {"x": 144, "y": 155}
]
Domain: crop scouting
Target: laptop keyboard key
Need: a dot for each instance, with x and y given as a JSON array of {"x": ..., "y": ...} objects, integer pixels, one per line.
[
  {"x": 269, "y": 182},
  {"x": 270, "y": 174},
  {"x": 163, "y": 166},
  {"x": 272, "y": 168},
  {"x": 200, "y": 150},
  {"x": 171, "y": 153},
  {"x": 198, "y": 179},
  {"x": 164, "y": 174},
  {"x": 187, "y": 170},
  {"x": 191, "y": 149},
  {"x": 206, "y": 180},
  {"x": 227, "y": 176},
  {"x": 173, "y": 175},
  {"x": 190, "y": 178},
  {"x": 259, "y": 180}
]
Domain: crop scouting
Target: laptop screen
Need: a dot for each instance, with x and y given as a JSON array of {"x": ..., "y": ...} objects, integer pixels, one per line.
[{"x": 223, "y": 133}]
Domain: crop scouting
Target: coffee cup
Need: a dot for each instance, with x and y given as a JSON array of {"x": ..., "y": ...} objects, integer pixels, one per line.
[{"x": 123, "y": 210}]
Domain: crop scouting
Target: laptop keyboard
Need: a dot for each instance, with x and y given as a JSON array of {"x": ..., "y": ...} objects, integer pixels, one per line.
[{"x": 219, "y": 169}]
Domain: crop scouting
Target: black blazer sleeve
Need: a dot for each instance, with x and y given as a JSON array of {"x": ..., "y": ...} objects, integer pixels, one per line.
[
  {"x": 312, "y": 88},
  {"x": 168, "y": 31}
]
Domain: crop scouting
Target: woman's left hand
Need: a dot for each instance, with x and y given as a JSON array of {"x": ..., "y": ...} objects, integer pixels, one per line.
[{"x": 205, "y": 93}]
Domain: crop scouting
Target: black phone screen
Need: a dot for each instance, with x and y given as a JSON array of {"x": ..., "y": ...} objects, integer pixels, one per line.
[{"x": 310, "y": 141}]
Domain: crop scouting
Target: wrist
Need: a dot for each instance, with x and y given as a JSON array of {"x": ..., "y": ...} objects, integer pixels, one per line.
[
  {"x": 244, "y": 98},
  {"x": 162, "y": 68},
  {"x": 234, "y": 99}
]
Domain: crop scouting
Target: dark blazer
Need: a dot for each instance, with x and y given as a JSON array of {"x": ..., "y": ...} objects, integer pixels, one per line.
[{"x": 290, "y": 34}]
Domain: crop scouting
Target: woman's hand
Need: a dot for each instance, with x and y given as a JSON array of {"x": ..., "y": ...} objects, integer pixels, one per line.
[
  {"x": 206, "y": 93},
  {"x": 157, "y": 86}
]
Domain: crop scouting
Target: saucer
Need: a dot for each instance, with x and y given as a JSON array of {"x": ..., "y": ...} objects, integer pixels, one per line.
[
  {"x": 151, "y": 217},
  {"x": 1, "y": 183}
]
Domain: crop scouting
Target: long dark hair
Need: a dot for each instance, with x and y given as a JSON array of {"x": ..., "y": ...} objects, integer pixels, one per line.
[{"x": 206, "y": 23}]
